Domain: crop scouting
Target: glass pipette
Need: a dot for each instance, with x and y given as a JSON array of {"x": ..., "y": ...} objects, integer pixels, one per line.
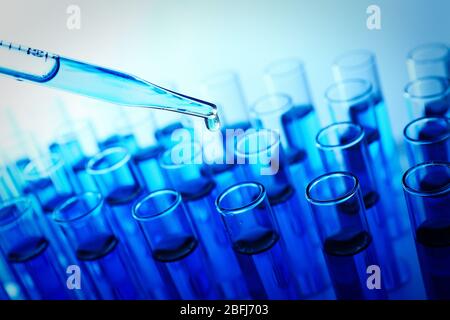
[{"x": 24, "y": 63}]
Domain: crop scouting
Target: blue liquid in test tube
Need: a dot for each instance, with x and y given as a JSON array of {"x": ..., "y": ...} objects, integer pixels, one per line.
[
  {"x": 336, "y": 201},
  {"x": 427, "y": 193},
  {"x": 343, "y": 147},
  {"x": 116, "y": 178},
  {"x": 428, "y": 97},
  {"x": 427, "y": 139},
  {"x": 188, "y": 175},
  {"x": 261, "y": 153},
  {"x": 29, "y": 252},
  {"x": 296, "y": 119},
  {"x": 174, "y": 243},
  {"x": 255, "y": 236},
  {"x": 84, "y": 221}
]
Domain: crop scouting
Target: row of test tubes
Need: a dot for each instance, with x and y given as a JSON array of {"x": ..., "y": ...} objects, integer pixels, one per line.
[{"x": 272, "y": 207}]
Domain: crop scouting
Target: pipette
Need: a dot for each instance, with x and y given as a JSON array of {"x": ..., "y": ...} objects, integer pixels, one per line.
[{"x": 51, "y": 70}]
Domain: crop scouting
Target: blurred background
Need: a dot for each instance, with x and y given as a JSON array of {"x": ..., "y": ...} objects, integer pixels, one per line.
[{"x": 182, "y": 42}]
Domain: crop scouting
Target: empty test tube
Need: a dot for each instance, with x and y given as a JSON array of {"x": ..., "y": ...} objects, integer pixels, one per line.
[
  {"x": 174, "y": 243},
  {"x": 338, "y": 208},
  {"x": 427, "y": 139}
]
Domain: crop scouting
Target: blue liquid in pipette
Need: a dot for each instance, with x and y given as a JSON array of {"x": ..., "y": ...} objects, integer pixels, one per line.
[
  {"x": 33, "y": 257},
  {"x": 185, "y": 262}
]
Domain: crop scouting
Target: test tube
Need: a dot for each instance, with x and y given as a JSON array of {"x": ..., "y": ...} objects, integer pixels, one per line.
[
  {"x": 277, "y": 112},
  {"x": 30, "y": 253},
  {"x": 187, "y": 174},
  {"x": 338, "y": 208},
  {"x": 8, "y": 188},
  {"x": 261, "y": 154},
  {"x": 296, "y": 119},
  {"x": 430, "y": 59},
  {"x": 225, "y": 90},
  {"x": 174, "y": 243},
  {"x": 361, "y": 64},
  {"x": 427, "y": 193},
  {"x": 427, "y": 139},
  {"x": 84, "y": 222},
  {"x": 49, "y": 180},
  {"x": 254, "y": 234},
  {"x": 343, "y": 147},
  {"x": 428, "y": 97},
  {"x": 77, "y": 143},
  {"x": 116, "y": 179},
  {"x": 148, "y": 149}
]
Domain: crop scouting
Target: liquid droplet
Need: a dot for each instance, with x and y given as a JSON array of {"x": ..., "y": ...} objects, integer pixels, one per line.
[{"x": 212, "y": 123}]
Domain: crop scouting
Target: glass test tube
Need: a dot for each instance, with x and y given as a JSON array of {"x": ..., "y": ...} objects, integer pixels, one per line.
[
  {"x": 427, "y": 193},
  {"x": 148, "y": 149},
  {"x": 77, "y": 143},
  {"x": 225, "y": 90},
  {"x": 430, "y": 59},
  {"x": 255, "y": 236},
  {"x": 261, "y": 155},
  {"x": 343, "y": 147},
  {"x": 116, "y": 179},
  {"x": 427, "y": 139},
  {"x": 185, "y": 171},
  {"x": 8, "y": 188},
  {"x": 276, "y": 112},
  {"x": 338, "y": 208},
  {"x": 361, "y": 64},
  {"x": 84, "y": 222},
  {"x": 174, "y": 243},
  {"x": 29, "y": 252},
  {"x": 428, "y": 97},
  {"x": 296, "y": 119}
]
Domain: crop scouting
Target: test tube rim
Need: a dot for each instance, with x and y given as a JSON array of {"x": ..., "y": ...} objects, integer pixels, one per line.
[
  {"x": 245, "y": 208},
  {"x": 10, "y": 221},
  {"x": 368, "y": 90},
  {"x": 71, "y": 200},
  {"x": 296, "y": 64},
  {"x": 99, "y": 156},
  {"x": 287, "y": 105},
  {"x": 445, "y": 55},
  {"x": 57, "y": 163},
  {"x": 367, "y": 62},
  {"x": 422, "y": 142},
  {"x": 355, "y": 141},
  {"x": 166, "y": 166},
  {"x": 339, "y": 199},
  {"x": 443, "y": 80},
  {"x": 257, "y": 131},
  {"x": 421, "y": 193},
  {"x": 173, "y": 205}
]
